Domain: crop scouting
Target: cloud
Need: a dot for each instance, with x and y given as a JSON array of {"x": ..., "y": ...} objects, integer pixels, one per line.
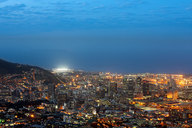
[
  {"x": 12, "y": 11},
  {"x": 95, "y": 14}
]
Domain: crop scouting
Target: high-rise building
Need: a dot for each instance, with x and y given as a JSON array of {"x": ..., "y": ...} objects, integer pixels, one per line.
[
  {"x": 138, "y": 87},
  {"x": 112, "y": 89},
  {"x": 130, "y": 88},
  {"x": 172, "y": 90},
  {"x": 146, "y": 88},
  {"x": 172, "y": 84},
  {"x": 61, "y": 99},
  {"x": 187, "y": 93}
]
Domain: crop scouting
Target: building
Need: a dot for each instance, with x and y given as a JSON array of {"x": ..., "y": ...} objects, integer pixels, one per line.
[
  {"x": 130, "y": 88},
  {"x": 172, "y": 90},
  {"x": 113, "y": 89},
  {"x": 61, "y": 99},
  {"x": 51, "y": 91},
  {"x": 5, "y": 94},
  {"x": 187, "y": 93},
  {"x": 138, "y": 87},
  {"x": 146, "y": 88}
]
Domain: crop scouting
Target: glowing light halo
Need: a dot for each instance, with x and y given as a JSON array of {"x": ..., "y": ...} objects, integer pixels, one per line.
[{"x": 62, "y": 69}]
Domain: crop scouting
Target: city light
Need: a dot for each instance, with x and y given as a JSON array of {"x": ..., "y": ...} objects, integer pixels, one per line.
[
  {"x": 32, "y": 115},
  {"x": 96, "y": 64},
  {"x": 62, "y": 69}
]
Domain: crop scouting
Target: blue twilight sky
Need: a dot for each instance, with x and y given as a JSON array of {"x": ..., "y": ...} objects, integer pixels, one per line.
[{"x": 98, "y": 35}]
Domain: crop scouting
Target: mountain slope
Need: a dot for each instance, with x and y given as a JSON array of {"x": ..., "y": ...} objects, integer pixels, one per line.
[{"x": 14, "y": 68}]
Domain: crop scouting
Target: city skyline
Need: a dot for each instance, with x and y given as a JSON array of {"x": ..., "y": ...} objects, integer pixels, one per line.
[{"x": 96, "y": 63}]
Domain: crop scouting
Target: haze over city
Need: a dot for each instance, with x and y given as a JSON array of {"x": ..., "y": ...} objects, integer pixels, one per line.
[{"x": 125, "y": 36}]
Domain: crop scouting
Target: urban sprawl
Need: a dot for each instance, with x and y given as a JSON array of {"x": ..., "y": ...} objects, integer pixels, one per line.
[{"x": 98, "y": 100}]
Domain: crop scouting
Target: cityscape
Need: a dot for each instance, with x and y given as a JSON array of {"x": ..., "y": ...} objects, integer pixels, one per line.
[
  {"x": 95, "y": 63},
  {"x": 94, "y": 99}
]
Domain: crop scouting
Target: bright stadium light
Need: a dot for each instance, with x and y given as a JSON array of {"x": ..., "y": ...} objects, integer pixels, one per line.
[{"x": 62, "y": 69}]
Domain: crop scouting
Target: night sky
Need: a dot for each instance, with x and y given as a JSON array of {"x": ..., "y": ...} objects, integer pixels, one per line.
[{"x": 124, "y": 36}]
